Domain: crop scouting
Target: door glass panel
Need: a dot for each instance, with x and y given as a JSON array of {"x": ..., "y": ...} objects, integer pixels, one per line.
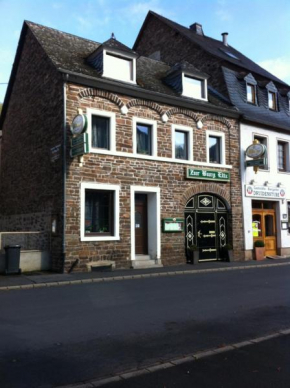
[
  {"x": 138, "y": 220},
  {"x": 269, "y": 225},
  {"x": 257, "y": 205},
  {"x": 256, "y": 225}
]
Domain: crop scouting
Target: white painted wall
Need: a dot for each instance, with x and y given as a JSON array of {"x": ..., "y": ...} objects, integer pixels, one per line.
[{"x": 272, "y": 175}]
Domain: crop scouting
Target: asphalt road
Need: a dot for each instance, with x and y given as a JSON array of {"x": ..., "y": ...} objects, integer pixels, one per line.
[
  {"x": 61, "y": 335},
  {"x": 265, "y": 365}
]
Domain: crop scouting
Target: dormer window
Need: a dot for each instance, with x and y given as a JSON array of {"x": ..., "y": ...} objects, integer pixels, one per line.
[
  {"x": 272, "y": 100},
  {"x": 251, "y": 93},
  {"x": 119, "y": 67},
  {"x": 194, "y": 87},
  {"x": 114, "y": 60}
]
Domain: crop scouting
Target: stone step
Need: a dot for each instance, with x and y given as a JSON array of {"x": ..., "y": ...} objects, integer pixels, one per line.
[{"x": 145, "y": 262}]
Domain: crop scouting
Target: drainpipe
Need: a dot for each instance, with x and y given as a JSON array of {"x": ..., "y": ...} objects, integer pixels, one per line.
[{"x": 64, "y": 176}]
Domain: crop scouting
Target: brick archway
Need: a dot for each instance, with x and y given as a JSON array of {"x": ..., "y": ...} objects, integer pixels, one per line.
[
  {"x": 216, "y": 118},
  {"x": 149, "y": 104},
  {"x": 205, "y": 188},
  {"x": 176, "y": 111},
  {"x": 100, "y": 93}
]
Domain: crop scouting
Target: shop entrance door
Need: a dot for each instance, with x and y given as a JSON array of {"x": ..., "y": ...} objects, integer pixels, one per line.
[
  {"x": 206, "y": 236},
  {"x": 264, "y": 228},
  {"x": 141, "y": 228}
]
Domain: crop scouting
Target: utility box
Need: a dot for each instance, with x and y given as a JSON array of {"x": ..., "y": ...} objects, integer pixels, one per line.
[{"x": 12, "y": 259}]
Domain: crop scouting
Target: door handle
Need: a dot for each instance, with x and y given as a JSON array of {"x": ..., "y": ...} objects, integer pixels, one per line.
[{"x": 199, "y": 234}]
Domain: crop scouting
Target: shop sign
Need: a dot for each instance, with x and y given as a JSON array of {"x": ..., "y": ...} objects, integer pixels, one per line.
[
  {"x": 256, "y": 162},
  {"x": 171, "y": 225},
  {"x": 210, "y": 175},
  {"x": 79, "y": 124},
  {"x": 256, "y": 150},
  {"x": 265, "y": 192},
  {"x": 79, "y": 145}
]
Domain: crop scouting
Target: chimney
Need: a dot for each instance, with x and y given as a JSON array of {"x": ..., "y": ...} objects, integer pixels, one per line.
[
  {"x": 225, "y": 38},
  {"x": 197, "y": 28}
]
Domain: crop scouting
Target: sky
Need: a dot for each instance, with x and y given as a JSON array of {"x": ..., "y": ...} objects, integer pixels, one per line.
[{"x": 260, "y": 29}]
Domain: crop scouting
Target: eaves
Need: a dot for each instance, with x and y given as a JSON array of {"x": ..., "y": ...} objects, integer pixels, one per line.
[
  {"x": 265, "y": 124},
  {"x": 132, "y": 91}
]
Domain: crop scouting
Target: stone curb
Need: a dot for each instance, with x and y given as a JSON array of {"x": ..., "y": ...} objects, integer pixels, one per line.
[
  {"x": 174, "y": 362},
  {"x": 137, "y": 276}
]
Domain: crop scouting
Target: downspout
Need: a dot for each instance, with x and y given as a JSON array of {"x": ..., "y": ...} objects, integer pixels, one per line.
[{"x": 64, "y": 176}]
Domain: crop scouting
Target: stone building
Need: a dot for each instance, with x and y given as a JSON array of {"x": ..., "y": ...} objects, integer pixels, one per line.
[
  {"x": 117, "y": 157},
  {"x": 263, "y": 101}
]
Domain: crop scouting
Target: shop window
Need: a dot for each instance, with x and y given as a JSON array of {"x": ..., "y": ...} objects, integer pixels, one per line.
[
  {"x": 145, "y": 142},
  {"x": 262, "y": 140},
  {"x": 251, "y": 93},
  {"x": 215, "y": 148},
  {"x": 99, "y": 212},
  {"x": 282, "y": 156},
  {"x": 194, "y": 87},
  {"x": 101, "y": 130}
]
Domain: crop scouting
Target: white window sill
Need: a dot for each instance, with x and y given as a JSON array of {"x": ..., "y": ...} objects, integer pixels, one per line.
[{"x": 100, "y": 238}]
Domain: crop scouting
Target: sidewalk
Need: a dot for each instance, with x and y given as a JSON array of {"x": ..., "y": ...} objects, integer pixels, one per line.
[{"x": 48, "y": 279}]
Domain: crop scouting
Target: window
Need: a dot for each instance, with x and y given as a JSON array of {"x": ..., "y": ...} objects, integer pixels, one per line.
[
  {"x": 119, "y": 67},
  {"x": 251, "y": 93},
  {"x": 101, "y": 131},
  {"x": 262, "y": 140},
  {"x": 99, "y": 212},
  {"x": 182, "y": 142},
  {"x": 272, "y": 100},
  {"x": 282, "y": 154},
  {"x": 215, "y": 147},
  {"x": 144, "y": 137},
  {"x": 194, "y": 87}
]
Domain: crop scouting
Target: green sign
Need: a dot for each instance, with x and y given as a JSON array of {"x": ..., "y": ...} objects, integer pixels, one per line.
[
  {"x": 210, "y": 175},
  {"x": 172, "y": 225},
  {"x": 256, "y": 162},
  {"x": 79, "y": 145}
]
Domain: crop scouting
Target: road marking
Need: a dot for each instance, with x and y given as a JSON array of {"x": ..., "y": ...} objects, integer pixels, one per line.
[
  {"x": 174, "y": 362},
  {"x": 136, "y": 276}
]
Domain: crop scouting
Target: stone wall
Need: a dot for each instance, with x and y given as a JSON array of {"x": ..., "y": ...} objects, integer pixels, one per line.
[
  {"x": 168, "y": 175},
  {"x": 31, "y": 174}
]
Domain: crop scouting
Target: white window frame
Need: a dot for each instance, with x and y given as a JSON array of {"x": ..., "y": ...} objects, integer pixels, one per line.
[
  {"x": 112, "y": 117},
  {"x": 275, "y": 100},
  {"x": 221, "y": 135},
  {"x": 103, "y": 187},
  {"x": 153, "y": 124},
  {"x": 126, "y": 57},
  {"x": 255, "y": 93},
  {"x": 203, "y": 83},
  {"x": 287, "y": 153},
  {"x": 189, "y": 131}
]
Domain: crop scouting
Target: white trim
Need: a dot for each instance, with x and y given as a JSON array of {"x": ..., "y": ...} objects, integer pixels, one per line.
[
  {"x": 221, "y": 135},
  {"x": 112, "y": 116},
  {"x": 286, "y": 143},
  {"x": 145, "y": 190},
  {"x": 133, "y": 80},
  {"x": 100, "y": 186},
  {"x": 189, "y": 132},
  {"x": 203, "y": 86},
  {"x": 153, "y": 124}
]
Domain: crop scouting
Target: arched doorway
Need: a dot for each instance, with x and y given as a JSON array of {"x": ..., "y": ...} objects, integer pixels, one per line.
[{"x": 206, "y": 226}]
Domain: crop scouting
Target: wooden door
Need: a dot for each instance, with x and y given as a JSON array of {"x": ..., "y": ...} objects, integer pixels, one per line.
[
  {"x": 206, "y": 236},
  {"x": 141, "y": 225},
  {"x": 264, "y": 228}
]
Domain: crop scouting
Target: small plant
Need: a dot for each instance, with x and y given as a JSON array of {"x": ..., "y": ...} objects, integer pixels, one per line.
[
  {"x": 229, "y": 247},
  {"x": 193, "y": 248},
  {"x": 259, "y": 244}
]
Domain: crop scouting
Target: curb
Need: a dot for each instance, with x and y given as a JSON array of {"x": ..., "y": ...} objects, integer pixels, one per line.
[
  {"x": 174, "y": 362},
  {"x": 137, "y": 276}
]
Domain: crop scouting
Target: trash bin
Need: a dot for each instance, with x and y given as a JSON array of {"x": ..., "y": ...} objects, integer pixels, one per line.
[{"x": 12, "y": 259}]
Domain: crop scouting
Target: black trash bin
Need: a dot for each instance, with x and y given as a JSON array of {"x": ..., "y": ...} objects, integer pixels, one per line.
[{"x": 12, "y": 259}]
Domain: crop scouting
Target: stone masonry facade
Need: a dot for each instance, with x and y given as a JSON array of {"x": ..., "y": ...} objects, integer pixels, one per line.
[{"x": 127, "y": 171}]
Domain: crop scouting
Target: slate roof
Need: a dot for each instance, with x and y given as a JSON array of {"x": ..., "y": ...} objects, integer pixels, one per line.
[
  {"x": 214, "y": 47},
  {"x": 69, "y": 52},
  {"x": 258, "y": 113}
]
